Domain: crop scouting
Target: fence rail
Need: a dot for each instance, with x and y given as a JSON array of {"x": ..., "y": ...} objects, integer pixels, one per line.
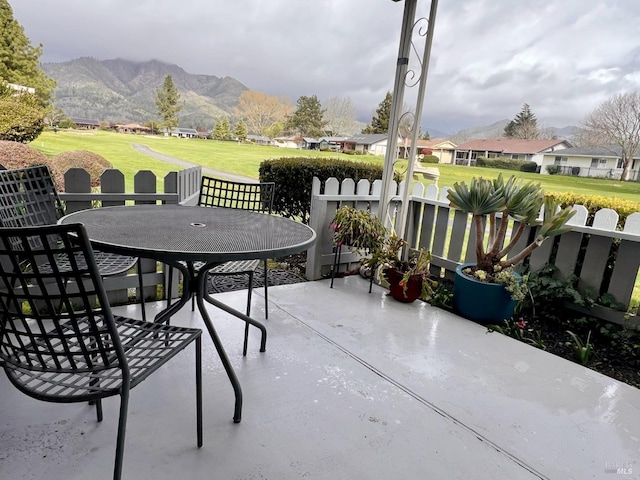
[{"x": 603, "y": 259}]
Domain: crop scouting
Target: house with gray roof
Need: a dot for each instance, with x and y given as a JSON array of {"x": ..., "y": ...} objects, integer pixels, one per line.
[
  {"x": 591, "y": 162},
  {"x": 514, "y": 148},
  {"x": 374, "y": 144}
]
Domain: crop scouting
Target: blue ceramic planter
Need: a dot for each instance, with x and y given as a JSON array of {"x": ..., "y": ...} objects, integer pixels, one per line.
[{"x": 482, "y": 302}]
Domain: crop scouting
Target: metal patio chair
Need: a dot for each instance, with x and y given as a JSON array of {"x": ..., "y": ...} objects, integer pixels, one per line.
[
  {"x": 255, "y": 197},
  {"x": 28, "y": 197},
  {"x": 59, "y": 341}
]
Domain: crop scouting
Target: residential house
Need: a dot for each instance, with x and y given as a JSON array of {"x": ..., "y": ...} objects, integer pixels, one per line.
[
  {"x": 443, "y": 149},
  {"x": 183, "y": 132},
  {"x": 288, "y": 142},
  {"x": 332, "y": 143},
  {"x": 258, "y": 139},
  {"x": 86, "y": 123},
  {"x": 374, "y": 144},
  {"x": 591, "y": 162},
  {"x": 517, "y": 149},
  {"x": 132, "y": 128},
  {"x": 309, "y": 143}
]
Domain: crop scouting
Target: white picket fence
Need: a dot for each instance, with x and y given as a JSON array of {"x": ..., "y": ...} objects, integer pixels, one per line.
[{"x": 433, "y": 224}]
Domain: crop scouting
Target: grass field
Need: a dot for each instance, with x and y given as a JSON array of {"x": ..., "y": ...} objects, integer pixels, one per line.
[{"x": 245, "y": 160}]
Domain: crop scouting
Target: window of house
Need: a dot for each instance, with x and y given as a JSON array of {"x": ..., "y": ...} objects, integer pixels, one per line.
[
  {"x": 560, "y": 160},
  {"x": 598, "y": 162},
  {"x": 619, "y": 164}
]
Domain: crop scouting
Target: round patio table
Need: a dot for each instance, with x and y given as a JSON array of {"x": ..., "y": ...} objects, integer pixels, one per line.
[{"x": 175, "y": 234}]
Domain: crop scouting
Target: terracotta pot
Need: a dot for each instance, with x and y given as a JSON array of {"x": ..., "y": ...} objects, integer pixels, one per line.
[
  {"x": 482, "y": 302},
  {"x": 414, "y": 286}
]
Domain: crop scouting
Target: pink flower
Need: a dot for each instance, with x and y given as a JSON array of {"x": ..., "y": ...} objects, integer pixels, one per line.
[{"x": 521, "y": 324}]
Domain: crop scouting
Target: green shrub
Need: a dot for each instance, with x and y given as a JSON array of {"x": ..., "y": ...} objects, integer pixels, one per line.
[
  {"x": 507, "y": 164},
  {"x": 21, "y": 120},
  {"x": 531, "y": 167},
  {"x": 430, "y": 159},
  {"x": 294, "y": 177},
  {"x": 552, "y": 169}
]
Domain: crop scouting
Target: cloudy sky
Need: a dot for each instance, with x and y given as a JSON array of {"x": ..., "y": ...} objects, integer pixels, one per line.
[{"x": 562, "y": 57}]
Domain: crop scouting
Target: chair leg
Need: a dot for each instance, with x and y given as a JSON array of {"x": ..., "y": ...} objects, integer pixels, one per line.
[
  {"x": 266, "y": 293},
  {"x": 98, "y": 403},
  {"x": 141, "y": 290},
  {"x": 199, "y": 390},
  {"x": 336, "y": 262},
  {"x": 122, "y": 427},
  {"x": 167, "y": 294}
]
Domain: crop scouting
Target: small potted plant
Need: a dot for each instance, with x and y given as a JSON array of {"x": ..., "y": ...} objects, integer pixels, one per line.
[
  {"x": 359, "y": 230},
  {"x": 408, "y": 279},
  {"x": 494, "y": 202}
]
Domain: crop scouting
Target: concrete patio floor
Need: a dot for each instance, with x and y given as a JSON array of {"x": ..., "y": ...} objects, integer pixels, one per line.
[{"x": 352, "y": 386}]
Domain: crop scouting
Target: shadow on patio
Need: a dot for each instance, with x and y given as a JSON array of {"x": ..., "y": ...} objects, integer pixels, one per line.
[{"x": 352, "y": 386}]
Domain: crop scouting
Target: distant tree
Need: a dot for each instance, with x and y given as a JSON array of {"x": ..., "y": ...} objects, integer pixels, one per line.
[
  {"x": 19, "y": 61},
  {"x": 340, "y": 116},
  {"x": 54, "y": 117},
  {"x": 307, "y": 119},
  {"x": 615, "y": 125},
  {"x": 260, "y": 110},
  {"x": 274, "y": 130},
  {"x": 21, "y": 116},
  {"x": 240, "y": 130},
  {"x": 222, "y": 129},
  {"x": 425, "y": 136},
  {"x": 167, "y": 100},
  {"x": 380, "y": 121},
  {"x": 523, "y": 126}
]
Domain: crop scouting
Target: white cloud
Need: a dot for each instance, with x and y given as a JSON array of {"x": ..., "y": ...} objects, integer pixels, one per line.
[{"x": 488, "y": 58}]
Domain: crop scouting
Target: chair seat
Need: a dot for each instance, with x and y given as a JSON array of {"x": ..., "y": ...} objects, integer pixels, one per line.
[
  {"x": 147, "y": 347},
  {"x": 236, "y": 266},
  {"x": 108, "y": 263}
]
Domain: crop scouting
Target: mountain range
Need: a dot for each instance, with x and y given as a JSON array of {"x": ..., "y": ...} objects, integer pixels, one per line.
[{"x": 123, "y": 91}]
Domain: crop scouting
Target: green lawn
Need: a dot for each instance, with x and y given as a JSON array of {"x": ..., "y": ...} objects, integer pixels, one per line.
[{"x": 245, "y": 160}]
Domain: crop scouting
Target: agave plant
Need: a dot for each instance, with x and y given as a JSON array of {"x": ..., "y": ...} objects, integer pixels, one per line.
[{"x": 498, "y": 200}]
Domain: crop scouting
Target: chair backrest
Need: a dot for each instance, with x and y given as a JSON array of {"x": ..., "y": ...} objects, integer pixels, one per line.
[
  {"x": 57, "y": 320},
  {"x": 28, "y": 197},
  {"x": 256, "y": 197}
]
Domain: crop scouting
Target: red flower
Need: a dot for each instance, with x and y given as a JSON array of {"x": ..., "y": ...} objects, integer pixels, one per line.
[{"x": 522, "y": 324}]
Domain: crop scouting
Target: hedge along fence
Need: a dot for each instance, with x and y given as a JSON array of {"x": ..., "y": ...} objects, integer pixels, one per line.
[
  {"x": 603, "y": 258},
  {"x": 294, "y": 179},
  {"x": 179, "y": 187},
  {"x": 507, "y": 164}
]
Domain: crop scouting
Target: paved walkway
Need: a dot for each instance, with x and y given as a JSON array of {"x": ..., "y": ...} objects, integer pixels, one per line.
[{"x": 177, "y": 161}]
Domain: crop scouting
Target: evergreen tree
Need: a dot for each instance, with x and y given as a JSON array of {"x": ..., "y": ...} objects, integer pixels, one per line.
[
  {"x": 19, "y": 61},
  {"x": 523, "y": 126},
  {"x": 307, "y": 119},
  {"x": 380, "y": 121},
  {"x": 222, "y": 130},
  {"x": 167, "y": 98},
  {"x": 240, "y": 131}
]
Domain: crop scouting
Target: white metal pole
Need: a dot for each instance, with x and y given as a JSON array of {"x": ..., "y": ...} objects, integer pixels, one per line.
[
  {"x": 396, "y": 109},
  {"x": 426, "y": 55}
]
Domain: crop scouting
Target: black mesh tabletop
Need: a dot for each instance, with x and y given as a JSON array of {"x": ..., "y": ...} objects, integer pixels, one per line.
[{"x": 172, "y": 232}]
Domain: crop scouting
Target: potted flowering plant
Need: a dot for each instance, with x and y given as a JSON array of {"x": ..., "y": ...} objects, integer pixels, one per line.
[
  {"x": 495, "y": 202},
  {"x": 408, "y": 279}
]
